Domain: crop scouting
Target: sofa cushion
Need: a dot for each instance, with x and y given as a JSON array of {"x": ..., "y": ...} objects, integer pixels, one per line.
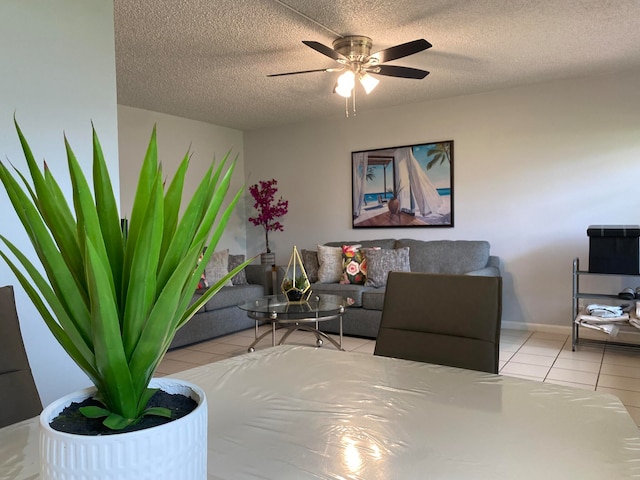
[
  {"x": 217, "y": 266},
  {"x": 383, "y": 243},
  {"x": 235, "y": 295},
  {"x": 347, "y": 291},
  {"x": 455, "y": 257},
  {"x": 196, "y": 296},
  {"x": 330, "y": 264},
  {"x": 239, "y": 278},
  {"x": 310, "y": 264},
  {"x": 381, "y": 262},
  {"x": 373, "y": 299}
]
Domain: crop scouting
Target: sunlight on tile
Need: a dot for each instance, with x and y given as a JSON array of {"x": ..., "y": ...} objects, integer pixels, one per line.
[
  {"x": 575, "y": 364},
  {"x": 569, "y": 384},
  {"x": 574, "y": 376},
  {"x": 517, "y": 369},
  {"x": 621, "y": 383},
  {"x": 531, "y": 359}
]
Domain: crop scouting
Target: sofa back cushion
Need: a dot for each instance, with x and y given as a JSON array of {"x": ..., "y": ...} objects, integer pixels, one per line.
[
  {"x": 310, "y": 264},
  {"x": 383, "y": 243},
  {"x": 454, "y": 257}
]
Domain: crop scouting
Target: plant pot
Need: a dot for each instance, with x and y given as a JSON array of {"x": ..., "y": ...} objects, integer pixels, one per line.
[
  {"x": 177, "y": 449},
  {"x": 268, "y": 258},
  {"x": 393, "y": 205}
]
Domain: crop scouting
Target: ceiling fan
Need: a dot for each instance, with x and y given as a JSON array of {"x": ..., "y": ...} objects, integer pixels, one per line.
[{"x": 353, "y": 53}]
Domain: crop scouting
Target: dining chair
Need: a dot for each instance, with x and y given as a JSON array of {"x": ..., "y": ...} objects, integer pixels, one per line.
[
  {"x": 444, "y": 319},
  {"x": 19, "y": 397}
]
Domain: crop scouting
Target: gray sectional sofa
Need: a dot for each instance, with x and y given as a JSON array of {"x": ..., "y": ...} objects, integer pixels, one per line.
[
  {"x": 220, "y": 315},
  {"x": 468, "y": 257}
]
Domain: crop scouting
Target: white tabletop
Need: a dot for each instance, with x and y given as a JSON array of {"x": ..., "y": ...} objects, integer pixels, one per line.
[{"x": 294, "y": 412}]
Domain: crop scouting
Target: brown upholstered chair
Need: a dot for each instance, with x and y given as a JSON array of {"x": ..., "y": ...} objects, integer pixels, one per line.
[
  {"x": 445, "y": 319},
  {"x": 19, "y": 398}
]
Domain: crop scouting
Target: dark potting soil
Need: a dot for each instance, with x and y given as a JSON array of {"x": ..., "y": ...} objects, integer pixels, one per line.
[{"x": 70, "y": 420}]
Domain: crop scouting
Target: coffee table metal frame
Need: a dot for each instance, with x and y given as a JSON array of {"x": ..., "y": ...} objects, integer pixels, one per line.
[{"x": 293, "y": 317}]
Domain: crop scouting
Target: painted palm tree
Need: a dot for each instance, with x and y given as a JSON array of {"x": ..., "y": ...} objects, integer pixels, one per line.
[
  {"x": 441, "y": 153},
  {"x": 370, "y": 174}
]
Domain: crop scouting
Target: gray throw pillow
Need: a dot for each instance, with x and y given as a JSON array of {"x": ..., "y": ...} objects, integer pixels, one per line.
[
  {"x": 381, "y": 262},
  {"x": 216, "y": 269},
  {"x": 310, "y": 264},
  {"x": 239, "y": 278},
  {"x": 330, "y": 264}
]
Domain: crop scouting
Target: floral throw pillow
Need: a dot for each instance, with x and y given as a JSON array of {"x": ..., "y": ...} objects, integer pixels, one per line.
[
  {"x": 202, "y": 283},
  {"x": 354, "y": 265}
]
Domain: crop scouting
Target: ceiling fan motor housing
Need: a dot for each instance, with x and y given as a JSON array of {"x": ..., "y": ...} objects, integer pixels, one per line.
[{"x": 356, "y": 48}]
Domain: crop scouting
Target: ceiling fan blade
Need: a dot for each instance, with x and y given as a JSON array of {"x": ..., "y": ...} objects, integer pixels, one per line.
[
  {"x": 323, "y": 49},
  {"x": 304, "y": 71},
  {"x": 402, "y": 50},
  {"x": 396, "y": 71}
]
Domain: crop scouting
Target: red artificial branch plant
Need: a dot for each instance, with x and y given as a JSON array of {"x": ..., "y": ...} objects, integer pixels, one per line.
[{"x": 268, "y": 207}]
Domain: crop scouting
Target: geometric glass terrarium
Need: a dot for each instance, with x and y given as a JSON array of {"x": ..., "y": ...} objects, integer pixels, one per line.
[{"x": 295, "y": 285}]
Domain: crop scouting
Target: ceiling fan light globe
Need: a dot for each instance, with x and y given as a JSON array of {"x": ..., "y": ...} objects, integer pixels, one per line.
[
  {"x": 347, "y": 79},
  {"x": 368, "y": 83},
  {"x": 343, "y": 90}
]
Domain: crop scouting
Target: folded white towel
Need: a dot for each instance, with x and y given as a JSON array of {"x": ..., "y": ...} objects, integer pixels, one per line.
[
  {"x": 604, "y": 311},
  {"x": 596, "y": 319}
]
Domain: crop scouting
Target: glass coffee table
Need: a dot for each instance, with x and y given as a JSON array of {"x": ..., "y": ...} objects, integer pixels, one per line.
[{"x": 295, "y": 316}]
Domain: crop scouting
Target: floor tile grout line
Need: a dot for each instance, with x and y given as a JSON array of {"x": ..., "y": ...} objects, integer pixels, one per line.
[{"x": 554, "y": 361}]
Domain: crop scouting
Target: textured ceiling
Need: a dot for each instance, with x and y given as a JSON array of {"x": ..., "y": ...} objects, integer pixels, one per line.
[{"x": 208, "y": 59}]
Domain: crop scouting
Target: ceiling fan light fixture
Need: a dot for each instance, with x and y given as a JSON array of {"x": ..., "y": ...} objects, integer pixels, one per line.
[
  {"x": 342, "y": 91},
  {"x": 368, "y": 82},
  {"x": 345, "y": 85}
]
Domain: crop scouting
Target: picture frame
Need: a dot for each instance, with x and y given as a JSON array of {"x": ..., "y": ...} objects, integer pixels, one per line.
[{"x": 409, "y": 186}]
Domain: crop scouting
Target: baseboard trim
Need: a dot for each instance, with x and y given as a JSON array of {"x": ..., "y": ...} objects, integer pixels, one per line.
[{"x": 537, "y": 327}]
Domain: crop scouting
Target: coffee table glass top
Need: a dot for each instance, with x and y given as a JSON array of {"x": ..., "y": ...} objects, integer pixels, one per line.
[{"x": 321, "y": 304}]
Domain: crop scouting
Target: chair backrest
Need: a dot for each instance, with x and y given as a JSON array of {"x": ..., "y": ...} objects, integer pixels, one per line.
[
  {"x": 444, "y": 319},
  {"x": 19, "y": 397}
]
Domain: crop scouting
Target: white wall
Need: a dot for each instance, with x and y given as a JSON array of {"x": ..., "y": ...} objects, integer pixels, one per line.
[
  {"x": 533, "y": 168},
  {"x": 175, "y": 136},
  {"x": 58, "y": 74}
]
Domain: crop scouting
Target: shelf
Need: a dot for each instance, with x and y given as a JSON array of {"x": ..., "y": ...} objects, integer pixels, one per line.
[
  {"x": 603, "y": 295},
  {"x": 585, "y": 272},
  {"x": 624, "y": 330}
]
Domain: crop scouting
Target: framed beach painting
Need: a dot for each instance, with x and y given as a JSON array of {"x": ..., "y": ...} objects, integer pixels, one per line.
[{"x": 408, "y": 186}]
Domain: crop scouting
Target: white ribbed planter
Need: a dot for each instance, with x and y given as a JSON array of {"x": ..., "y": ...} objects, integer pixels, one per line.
[{"x": 175, "y": 450}]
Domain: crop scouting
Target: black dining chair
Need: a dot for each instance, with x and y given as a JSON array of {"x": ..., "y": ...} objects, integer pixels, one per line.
[
  {"x": 444, "y": 319},
  {"x": 19, "y": 397}
]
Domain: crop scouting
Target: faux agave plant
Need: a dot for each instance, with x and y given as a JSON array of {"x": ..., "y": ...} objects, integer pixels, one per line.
[{"x": 115, "y": 298}]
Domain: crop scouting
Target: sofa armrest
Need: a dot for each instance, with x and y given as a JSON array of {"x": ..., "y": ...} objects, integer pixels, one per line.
[
  {"x": 485, "y": 272},
  {"x": 263, "y": 275},
  {"x": 495, "y": 261},
  {"x": 493, "y": 268}
]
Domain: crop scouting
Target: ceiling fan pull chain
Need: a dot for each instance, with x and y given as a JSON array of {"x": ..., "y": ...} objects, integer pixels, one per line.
[
  {"x": 354, "y": 101},
  {"x": 346, "y": 107}
]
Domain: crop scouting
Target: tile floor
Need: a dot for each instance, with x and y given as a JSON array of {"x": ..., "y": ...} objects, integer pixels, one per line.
[{"x": 538, "y": 356}]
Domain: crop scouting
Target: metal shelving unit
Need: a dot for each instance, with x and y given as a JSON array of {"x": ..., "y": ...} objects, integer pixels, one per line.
[{"x": 575, "y": 308}]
